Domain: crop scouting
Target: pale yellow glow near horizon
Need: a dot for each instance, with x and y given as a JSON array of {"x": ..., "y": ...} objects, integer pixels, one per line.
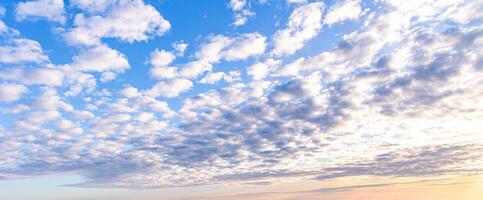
[{"x": 357, "y": 188}]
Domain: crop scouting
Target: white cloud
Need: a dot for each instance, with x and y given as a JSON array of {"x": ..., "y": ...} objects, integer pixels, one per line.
[
  {"x": 52, "y": 10},
  {"x": 193, "y": 69},
  {"x": 237, "y": 5},
  {"x": 128, "y": 21},
  {"x": 129, "y": 92},
  {"x": 5, "y": 30},
  {"x": 11, "y": 92},
  {"x": 304, "y": 24},
  {"x": 163, "y": 72},
  {"x": 171, "y": 88},
  {"x": 260, "y": 70},
  {"x": 78, "y": 81},
  {"x": 180, "y": 47},
  {"x": 238, "y": 48},
  {"x": 22, "y": 51},
  {"x": 161, "y": 58},
  {"x": 241, "y": 10},
  {"x": 107, "y": 76},
  {"x": 144, "y": 117},
  {"x": 40, "y": 76},
  {"x": 366, "y": 101},
  {"x": 342, "y": 11},
  {"x": 100, "y": 59},
  {"x": 244, "y": 46},
  {"x": 211, "y": 51},
  {"x": 212, "y": 78}
]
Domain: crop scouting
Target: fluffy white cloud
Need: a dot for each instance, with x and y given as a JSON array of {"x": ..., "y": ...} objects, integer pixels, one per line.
[
  {"x": 211, "y": 51},
  {"x": 40, "y": 76},
  {"x": 212, "y": 78},
  {"x": 22, "y": 51},
  {"x": 171, "y": 88},
  {"x": 11, "y": 92},
  {"x": 244, "y": 46},
  {"x": 180, "y": 48},
  {"x": 260, "y": 70},
  {"x": 238, "y": 48},
  {"x": 129, "y": 92},
  {"x": 145, "y": 117},
  {"x": 237, "y": 5},
  {"x": 193, "y": 69},
  {"x": 52, "y": 10},
  {"x": 219, "y": 48},
  {"x": 100, "y": 59},
  {"x": 160, "y": 59},
  {"x": 163, "y": 72},
  {"x": 304, "y": 24},
  {"x": 342, "y": 11},
  {"x": 242, "y": 13},
  {"x": 128, "y": 21}
]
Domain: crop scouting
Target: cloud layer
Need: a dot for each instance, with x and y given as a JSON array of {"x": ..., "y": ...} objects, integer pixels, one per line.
[{"x": 396, "y": 96}]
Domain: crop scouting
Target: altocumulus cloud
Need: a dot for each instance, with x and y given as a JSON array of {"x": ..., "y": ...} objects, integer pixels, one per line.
[{"x": 382, "y": 102}]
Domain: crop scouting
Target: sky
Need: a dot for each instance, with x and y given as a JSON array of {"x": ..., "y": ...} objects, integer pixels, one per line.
[{"x": 241, "y": 99}]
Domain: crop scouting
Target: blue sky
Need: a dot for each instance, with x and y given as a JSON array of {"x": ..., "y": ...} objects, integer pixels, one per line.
[{"x": 155, "y": 98}]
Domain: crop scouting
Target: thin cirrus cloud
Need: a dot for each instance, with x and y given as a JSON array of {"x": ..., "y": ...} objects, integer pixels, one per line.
[{"x": 395, "y": 96}]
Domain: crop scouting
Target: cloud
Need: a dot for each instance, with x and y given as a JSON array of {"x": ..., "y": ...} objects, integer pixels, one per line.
[
  {"x": 238, "y": 48},
  {"x": 129, "y": 92},
  {"x": 180, "y": 47},
  {"x": 22, "y": 51},
  {"x": 100, "y": 59},
  {"x": 260, "y": 70},
  {"x": 219, "y": 48},
  {"x": 342, "y": 11},
  {"x": 41, "y": 76},
  {"x": 11, "y": 92},
  {"x": 393, "y": 97},
  {"x": 212, "y": 78},
  {"x": 241, "y": 10},
  {"x": 303, "y": 24},
  {"x": 52, "y": 10},
  {"x": 171, "y": 88},
  {"x": 128, "y": 21},
  {"x": 160, "y": 60},
  {"x": 422, "y": 161},
  {"x": 244, "y": 46}
]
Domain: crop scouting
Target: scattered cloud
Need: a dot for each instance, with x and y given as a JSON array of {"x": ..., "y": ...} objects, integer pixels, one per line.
[
  {"x": 20, "y": 50},
  {"x": 52, "y": 10},
  {"x": 304, "y": 23},
  {"x": 11, "y": 92},
  {"x": 342, "y": 11},
  {"x": 393, "y": 97},
  {"x": 127, "y": 21}
]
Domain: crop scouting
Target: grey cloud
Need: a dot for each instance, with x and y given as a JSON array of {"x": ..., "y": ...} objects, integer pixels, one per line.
[{"x": 422, "y": 161}]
